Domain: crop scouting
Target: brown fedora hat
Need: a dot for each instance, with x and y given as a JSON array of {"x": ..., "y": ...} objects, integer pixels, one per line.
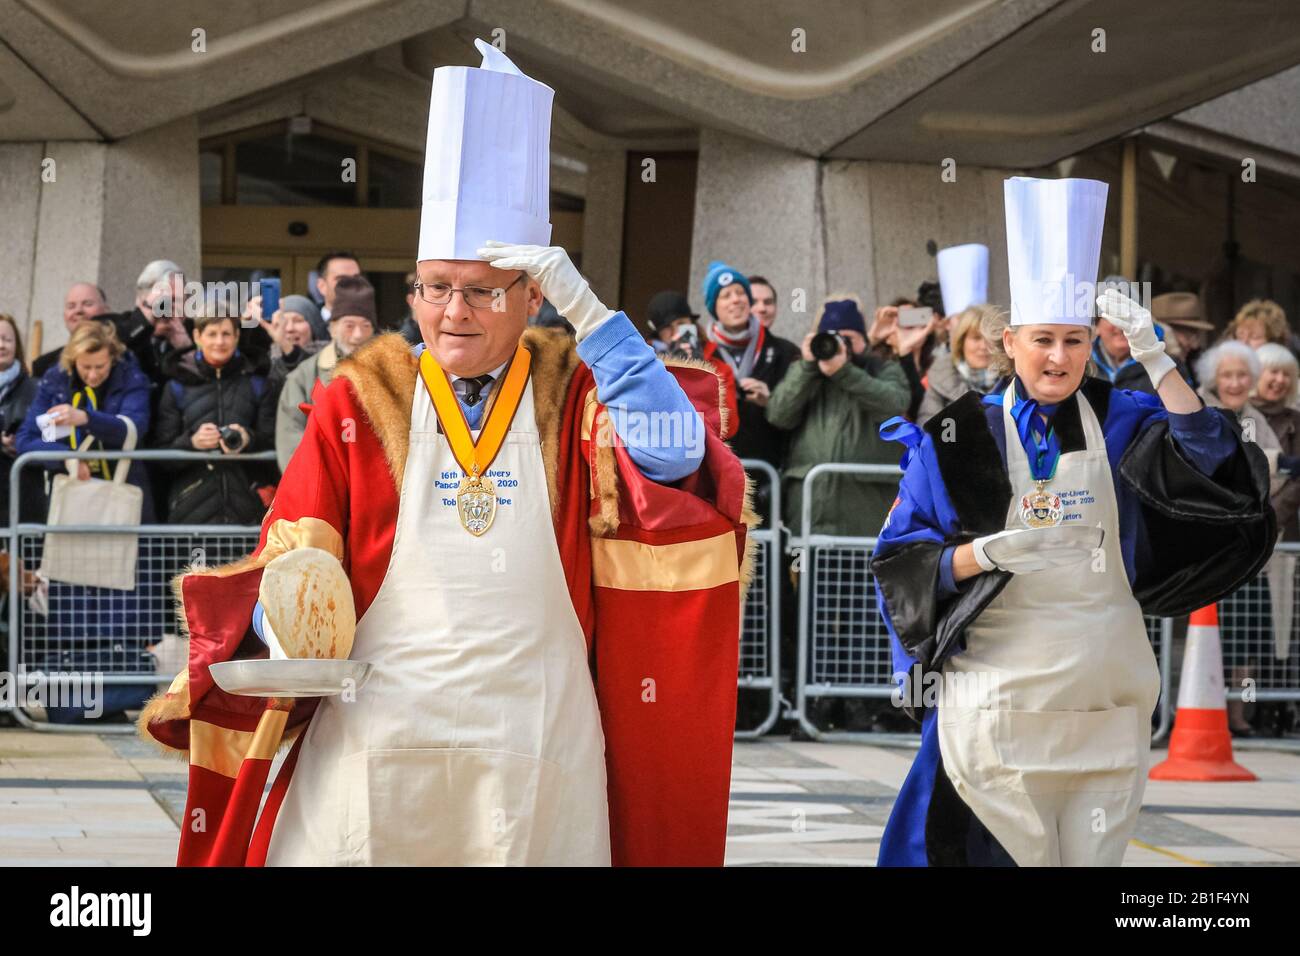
[{"x": 1179, "y": 308}]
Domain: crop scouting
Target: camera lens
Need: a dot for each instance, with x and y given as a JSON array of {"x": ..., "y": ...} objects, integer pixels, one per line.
[{"x": 825, "y": 345}]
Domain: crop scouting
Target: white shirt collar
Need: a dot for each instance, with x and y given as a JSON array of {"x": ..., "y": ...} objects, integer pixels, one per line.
[
  {"x": 495, "y": 373},
  {"x": 419, "y": 347}
]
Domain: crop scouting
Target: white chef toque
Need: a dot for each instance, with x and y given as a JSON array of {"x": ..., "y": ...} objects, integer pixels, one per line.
[
  {"x": 963, "y": 276},
  {"x": 1054, "y": 231},
  {"x": 487, "y": 162}
]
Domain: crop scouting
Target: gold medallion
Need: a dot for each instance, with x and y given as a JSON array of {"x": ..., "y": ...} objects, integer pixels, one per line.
[
  {"x": 476, "y": 503},
  {"x": 1041, "y": 508},
  {"x": 476, "y": 499}
]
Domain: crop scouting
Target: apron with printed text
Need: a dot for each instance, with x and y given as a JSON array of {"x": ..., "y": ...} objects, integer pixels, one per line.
[
  {"x": 477, "y": 738},
  {"x": 1048, "y": 731}
]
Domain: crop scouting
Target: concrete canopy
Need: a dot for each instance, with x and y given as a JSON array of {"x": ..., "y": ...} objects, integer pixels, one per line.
[{"x": 991, "y": 82}]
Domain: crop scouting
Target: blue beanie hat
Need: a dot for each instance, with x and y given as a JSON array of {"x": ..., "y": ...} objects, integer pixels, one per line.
[
  {"x": 718, "y": 277},
  {"x": 842, "y": 315}
]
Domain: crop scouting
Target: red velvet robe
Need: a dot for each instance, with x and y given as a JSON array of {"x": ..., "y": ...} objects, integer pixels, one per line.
[{"x": 655, "y": 573}]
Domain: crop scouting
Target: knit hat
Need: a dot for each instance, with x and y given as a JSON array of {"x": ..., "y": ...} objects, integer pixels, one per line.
[
  {"x": 666, "y": 308},
  {"x": 718, "y": 277},
  {"x": 842, "y": 315},
  {"x": 353, "y": 295},
  {"x": 309, "y": 311}
]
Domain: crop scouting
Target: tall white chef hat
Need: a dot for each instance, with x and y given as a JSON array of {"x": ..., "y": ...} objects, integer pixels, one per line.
[
  {"x": 487, "y": 162},
  {"x": 963, "y": 276},
  {"x": 1053, "y": 248}
]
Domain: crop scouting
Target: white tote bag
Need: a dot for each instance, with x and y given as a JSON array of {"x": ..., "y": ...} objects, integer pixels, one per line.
[{"x": 96, "y": 560}]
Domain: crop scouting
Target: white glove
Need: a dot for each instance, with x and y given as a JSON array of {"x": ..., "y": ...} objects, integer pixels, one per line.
[
  {"x": 1136, "y": 324},
  {"x": 560, "y": 280},
  {"x": 982, "y": 559},
  {"x": 1040, "y": 559}
]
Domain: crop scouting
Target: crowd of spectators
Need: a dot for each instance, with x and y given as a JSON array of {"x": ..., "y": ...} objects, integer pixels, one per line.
[{"x": 205, "y": 380}]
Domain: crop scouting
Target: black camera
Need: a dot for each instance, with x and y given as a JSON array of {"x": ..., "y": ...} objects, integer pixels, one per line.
[
  {"x": 230, "y": 437},
  {"x": 685, "y": 344},
  {"x": 826, "y": 345}
]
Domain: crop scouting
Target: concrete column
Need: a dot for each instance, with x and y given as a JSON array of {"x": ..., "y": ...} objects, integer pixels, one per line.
[
  {"x": 105, "y": 211},
  {"x": 602, "y": 223},
  {"x": 151, "y": 206},
  {"x": 909, "y": 204},
  {"x": 20, "y": 201},
  {"x": 757, "y": 208},
  {"x": 69, "y": 235},
  {"x": 818, "y": 228}
]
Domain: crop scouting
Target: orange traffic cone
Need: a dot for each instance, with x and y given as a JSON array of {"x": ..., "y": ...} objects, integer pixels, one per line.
[{"x": 1200, "y": 747}]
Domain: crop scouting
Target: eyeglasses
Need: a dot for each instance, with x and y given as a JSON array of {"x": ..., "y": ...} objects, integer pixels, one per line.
[{"x": 475, "y": 296}]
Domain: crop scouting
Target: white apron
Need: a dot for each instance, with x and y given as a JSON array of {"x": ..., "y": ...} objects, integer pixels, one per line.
[
  {"x": 1049, "y": 747},
  {"x": 477, "y": 739}
]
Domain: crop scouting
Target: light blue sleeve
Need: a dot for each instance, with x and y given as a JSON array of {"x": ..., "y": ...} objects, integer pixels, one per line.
[
  {"x": 663, "y": 432},
  {"x": 258, "y": 614}
]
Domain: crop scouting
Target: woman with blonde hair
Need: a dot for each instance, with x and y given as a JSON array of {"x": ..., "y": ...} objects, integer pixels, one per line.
[
  {"x": 97, "y": 396},
  {"x": 1257, "y": 322},
  {"x": 964, "y": 365},
  {"x": 96, "y": 391}
]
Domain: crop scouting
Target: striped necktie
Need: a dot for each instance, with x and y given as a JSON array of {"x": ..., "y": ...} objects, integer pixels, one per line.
[{"x": 470, "y": 390}]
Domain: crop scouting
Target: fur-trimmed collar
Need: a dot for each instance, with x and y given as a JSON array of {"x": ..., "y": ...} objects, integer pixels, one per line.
[{"x": 384, "y": 373}]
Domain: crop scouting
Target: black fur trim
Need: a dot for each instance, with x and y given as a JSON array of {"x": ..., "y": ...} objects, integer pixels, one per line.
[{"x": 971, "y": 466}]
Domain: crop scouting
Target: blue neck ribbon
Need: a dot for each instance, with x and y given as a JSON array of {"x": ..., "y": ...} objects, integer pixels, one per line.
[{"x": 1043, "y": 449}]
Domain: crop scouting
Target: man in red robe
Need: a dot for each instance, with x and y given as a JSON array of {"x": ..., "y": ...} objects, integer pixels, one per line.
[
  {"x": 653, "y": 572},
  {"x": 545, "y": 546}
]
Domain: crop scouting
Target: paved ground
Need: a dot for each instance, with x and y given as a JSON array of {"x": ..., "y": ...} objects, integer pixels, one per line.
[{"x": 90, "y": 800}]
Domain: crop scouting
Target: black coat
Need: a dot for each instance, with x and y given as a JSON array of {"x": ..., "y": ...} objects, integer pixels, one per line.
[
  {"x": 14, "y": 401},
  {"x": 757, "y": 437},
  {"x": 194, "y": 394}
]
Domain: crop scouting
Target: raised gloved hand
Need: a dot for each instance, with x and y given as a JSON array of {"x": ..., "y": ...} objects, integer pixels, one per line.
[
  {"x": 1022, "y": 560},
  {"x": 560, "y": 280},
  {"x": 1140, "y": 330}
]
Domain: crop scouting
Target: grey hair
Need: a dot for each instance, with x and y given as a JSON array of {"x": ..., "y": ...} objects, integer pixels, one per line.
[
  {"x": 1207, "y": 369},
  {"x": 155, "y": 272},
  {"x": 1274, "y": 356}
]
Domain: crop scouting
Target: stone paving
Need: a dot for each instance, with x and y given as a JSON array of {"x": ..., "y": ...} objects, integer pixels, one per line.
[{"x": 113, "y": 800}]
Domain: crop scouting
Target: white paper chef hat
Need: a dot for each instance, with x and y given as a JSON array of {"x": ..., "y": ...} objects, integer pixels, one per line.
[
  {"x": 1053, "y": 248},
  {"x": 963, "y": 276},
  {"x": 487, "y": 162}
]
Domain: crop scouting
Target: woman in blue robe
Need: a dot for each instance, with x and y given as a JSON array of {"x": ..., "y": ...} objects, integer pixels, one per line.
[{"x": 1026, "y": 662}]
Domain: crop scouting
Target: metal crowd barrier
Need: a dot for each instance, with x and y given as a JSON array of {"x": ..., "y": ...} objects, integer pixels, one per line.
[
  {"x": 110, "y": 632},
  {"x": 760, "y": 632},
  {"x": 844, "y": 648},
  {"x": 122, "y": 637},
  {"x": 1259, "y": 626}
]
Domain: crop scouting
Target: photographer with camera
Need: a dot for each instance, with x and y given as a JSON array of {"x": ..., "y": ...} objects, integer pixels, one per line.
[
  {"x": 832, "y": 403},
  {"x": 214, "y": 401}
]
